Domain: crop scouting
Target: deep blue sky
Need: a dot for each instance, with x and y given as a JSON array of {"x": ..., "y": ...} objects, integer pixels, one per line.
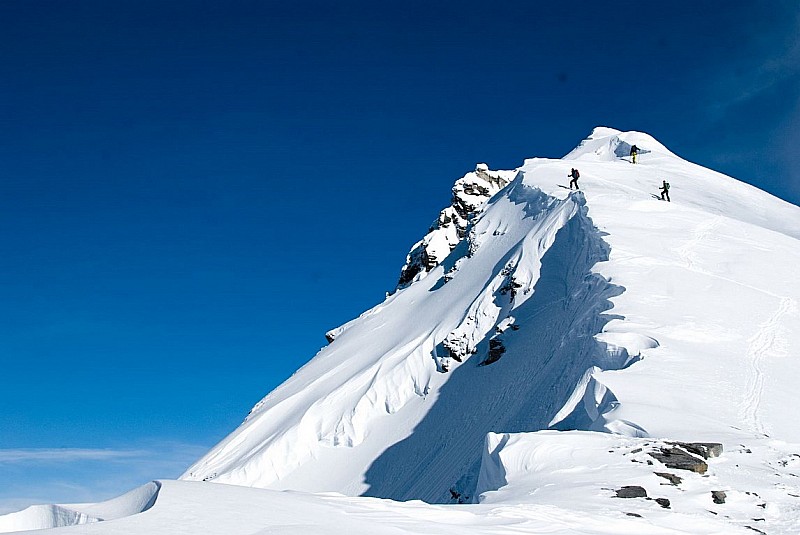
[{"x": 192, "y": 193}]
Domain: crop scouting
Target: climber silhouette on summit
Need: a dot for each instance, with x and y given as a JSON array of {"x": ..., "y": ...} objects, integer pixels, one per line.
[
  {"x": 634, "y": 153},
  {"x": 575, "y": 175}
]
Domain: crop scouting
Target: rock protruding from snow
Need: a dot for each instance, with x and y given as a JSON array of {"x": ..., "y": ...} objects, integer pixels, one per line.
[
  {"x": 706, "y": 450},
  {"x": 631, "y": 491},
  {"x": 680, "y": 459},
  {"x": 672, "y": 478},
  {"x": 470, "y": 193}
]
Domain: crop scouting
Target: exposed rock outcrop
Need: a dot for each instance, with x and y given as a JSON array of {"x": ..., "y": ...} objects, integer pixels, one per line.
[
  {"x": 706, "y": 450},
  {"x": 470, "y": 194},
  {"x": 686, "y": 456},
  {"x": 679, "y": 459}
]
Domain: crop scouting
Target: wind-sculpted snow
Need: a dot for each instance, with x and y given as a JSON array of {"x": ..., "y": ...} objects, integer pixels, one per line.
[
  {"x": 522, "y": 280},
  {"x": 559, "y": 306},
  {"x": 43, "y": 517},
  {"x": 54, "y": 516}
]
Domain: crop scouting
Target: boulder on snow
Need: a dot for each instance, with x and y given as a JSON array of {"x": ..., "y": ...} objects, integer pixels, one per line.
[
  {"x": 631, "y": 491},
  {"x": 718, "y": 496},
  {"x": 672, "y": 478},
  {"x": 706, "y": 450},
  {"x": 679, "y": 459}
]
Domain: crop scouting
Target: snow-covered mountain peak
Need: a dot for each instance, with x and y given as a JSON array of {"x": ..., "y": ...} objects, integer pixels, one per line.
[
  {"x": 603, "y": 131},
  {"x": 550, "y": 351},
  {"x": 609, "y": 144},
  {"x": 529, "y": 306}
]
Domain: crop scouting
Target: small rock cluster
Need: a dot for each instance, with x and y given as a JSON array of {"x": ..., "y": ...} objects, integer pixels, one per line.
[{"x": 689, "y": 456}]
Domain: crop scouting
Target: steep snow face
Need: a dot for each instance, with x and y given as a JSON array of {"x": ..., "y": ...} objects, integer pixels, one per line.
[
  {"x": 605, "y": 309},
  {"x": 386, "y": 371}
]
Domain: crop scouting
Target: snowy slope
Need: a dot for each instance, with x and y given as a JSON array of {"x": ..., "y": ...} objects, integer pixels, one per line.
[
  {"x": 702, "y": 337},
  {"x": 542, "y": 347}
]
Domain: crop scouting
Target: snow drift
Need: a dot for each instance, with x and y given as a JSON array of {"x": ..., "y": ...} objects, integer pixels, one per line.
[{"x": 55, "y": 516}]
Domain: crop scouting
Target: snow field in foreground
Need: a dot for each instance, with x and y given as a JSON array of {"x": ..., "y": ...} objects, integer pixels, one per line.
[
  {"x": 52, "y": 516},
  {"x": 544, "y": 482}
]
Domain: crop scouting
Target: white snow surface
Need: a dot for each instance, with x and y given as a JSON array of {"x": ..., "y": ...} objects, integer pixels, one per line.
[
  {"x": 52, "y": 516},
  {"x": 188, "y": 507},
  {"x": 528, "y": 374}
]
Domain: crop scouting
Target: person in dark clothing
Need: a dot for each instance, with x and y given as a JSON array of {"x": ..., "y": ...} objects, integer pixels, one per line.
[
  {"x": 665, "y": 191},
  {"x": 634, "y": 152},
  {"x": 575, "y": 175}
]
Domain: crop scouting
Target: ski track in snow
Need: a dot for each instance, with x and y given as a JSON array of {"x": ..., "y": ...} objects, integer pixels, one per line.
[
  {"x": 764, "y": 342},
  {"x": 707, "y": 230},
  {"x": 700, "y": 234}
]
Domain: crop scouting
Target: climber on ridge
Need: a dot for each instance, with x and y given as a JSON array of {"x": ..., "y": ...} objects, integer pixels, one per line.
[
  {"x": 634, "y": 152},
  {"x": 665, "y": 191},
  {"x": 575, "y": 175}
]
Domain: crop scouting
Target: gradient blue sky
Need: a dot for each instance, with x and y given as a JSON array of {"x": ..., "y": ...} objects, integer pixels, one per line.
[{"x": 192, "y": 193}]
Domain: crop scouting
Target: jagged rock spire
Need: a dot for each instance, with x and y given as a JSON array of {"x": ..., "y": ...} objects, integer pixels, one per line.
[{"x": 470, "y": 193}]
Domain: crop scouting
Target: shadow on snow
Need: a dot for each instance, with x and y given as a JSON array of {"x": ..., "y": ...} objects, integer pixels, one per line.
[{"x": 542, "y": 363}]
